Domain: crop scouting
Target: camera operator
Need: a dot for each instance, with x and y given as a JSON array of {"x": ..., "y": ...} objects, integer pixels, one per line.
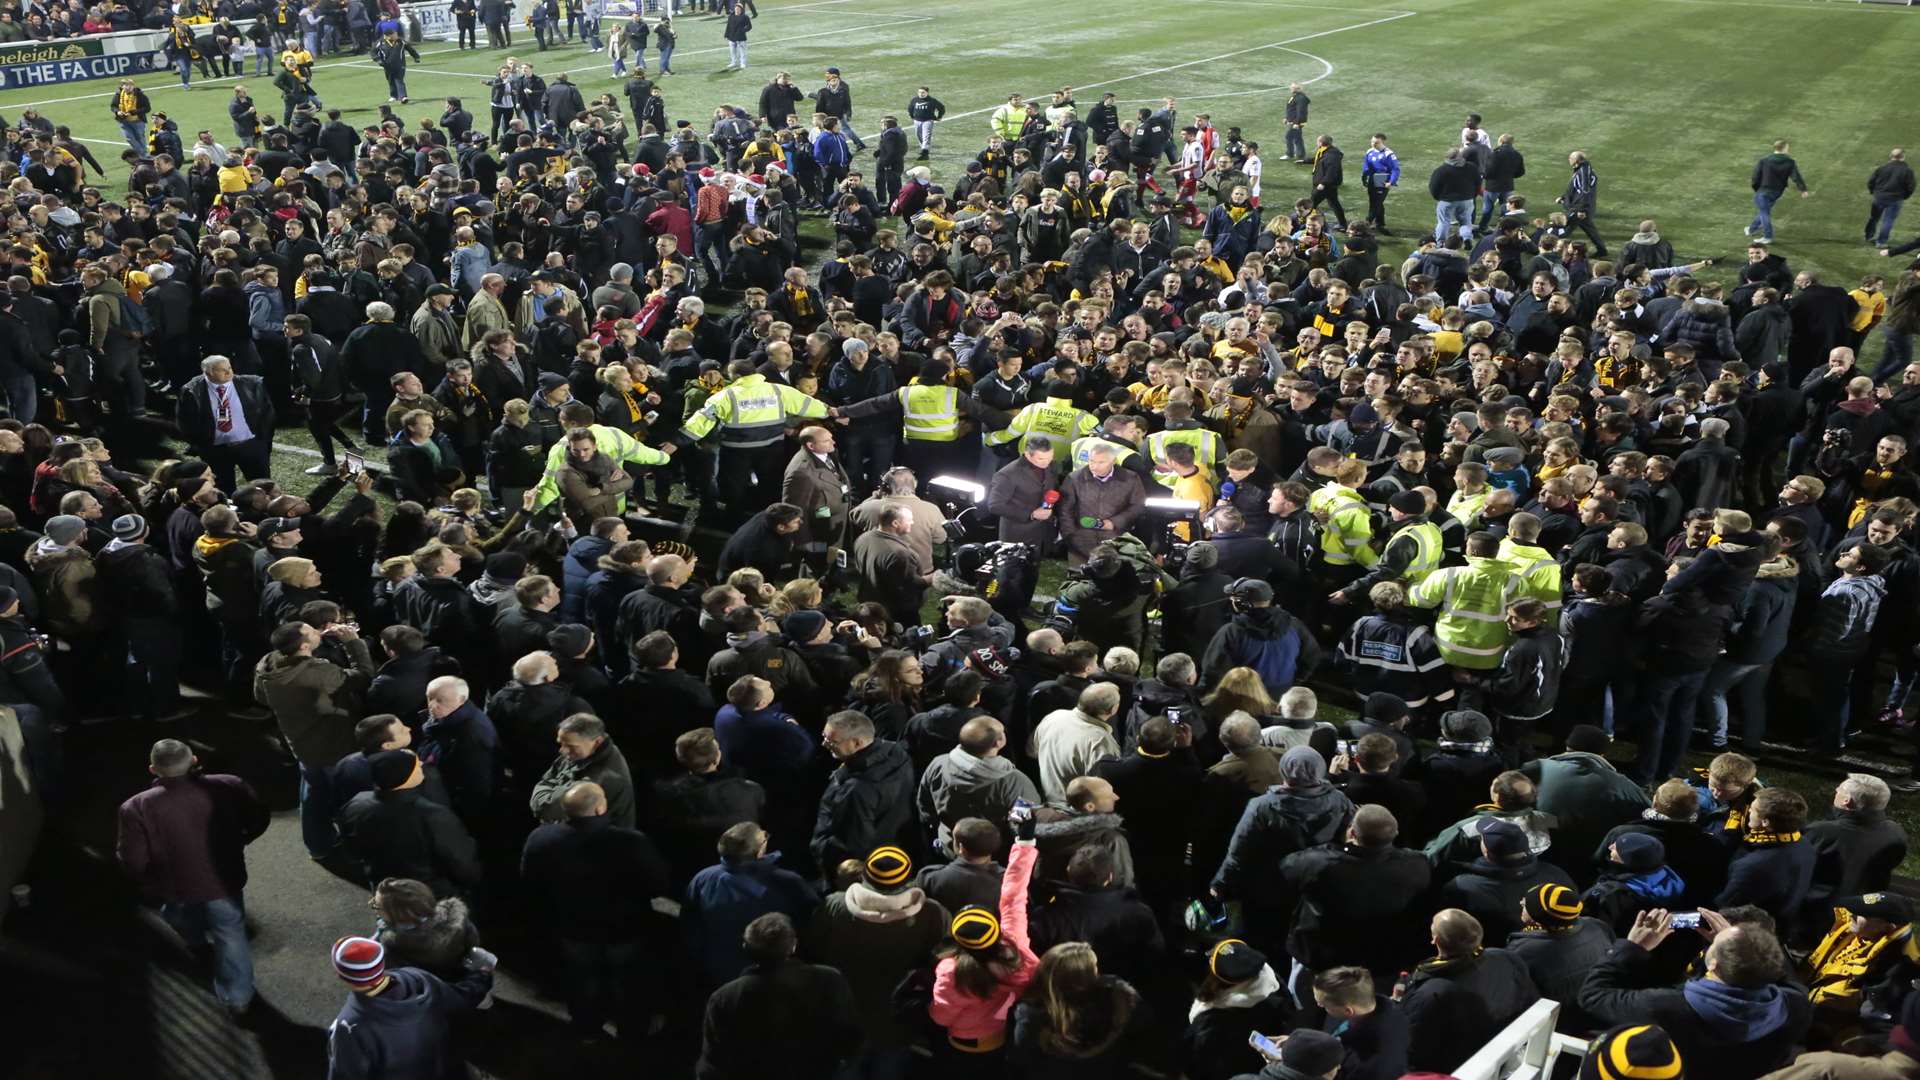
[{"x": 1107, "y": 601}]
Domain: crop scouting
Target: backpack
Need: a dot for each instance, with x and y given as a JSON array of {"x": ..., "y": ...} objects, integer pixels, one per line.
[{"x": 134, "y": 322}]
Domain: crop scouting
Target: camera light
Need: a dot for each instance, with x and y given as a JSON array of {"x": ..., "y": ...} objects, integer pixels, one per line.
[
  {"x": 1174, "y": 506},
  {"x": 959, "y": 486}
]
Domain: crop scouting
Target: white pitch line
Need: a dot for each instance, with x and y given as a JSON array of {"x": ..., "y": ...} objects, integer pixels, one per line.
[
  {"x": 1321, "y": 60},
  {"x": 1212, "y": 59}
]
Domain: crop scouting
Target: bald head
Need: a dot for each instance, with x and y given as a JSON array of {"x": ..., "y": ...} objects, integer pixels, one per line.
[{"x": 584, "y": 799}]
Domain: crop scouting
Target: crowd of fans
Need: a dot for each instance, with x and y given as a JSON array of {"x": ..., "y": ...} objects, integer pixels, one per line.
[{"x": 1507, "y": 498}]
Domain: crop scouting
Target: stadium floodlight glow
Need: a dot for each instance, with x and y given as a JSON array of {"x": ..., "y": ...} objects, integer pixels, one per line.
[
  {"x": 960, "y": 486},
  {"x": 1173, "y": 506}
]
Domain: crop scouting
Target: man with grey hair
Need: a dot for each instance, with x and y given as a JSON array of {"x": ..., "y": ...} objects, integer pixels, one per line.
[
  {"x": 462, "y": 740},
  {"x": 870, "y": 442},
  {"x": 1706, "y": 473},
  {"x": 372, "y": 354},
  {"x": 183, "y": 841},
  {"x": 227, "y": 420},
  {"x": 618, "y": 292},
  {"x": 1298, "y": 708},
  {"x": 970, "y": 621},
  {"x": 869, "y": 798},
  {"x": 1067, "y": 742},
  {"x": 1857, "y": 849},
  {"x": 587, "y": 755}
]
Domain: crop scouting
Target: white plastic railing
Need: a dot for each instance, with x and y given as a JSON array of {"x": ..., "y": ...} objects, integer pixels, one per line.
[{"x": 1525, "y": 1050}]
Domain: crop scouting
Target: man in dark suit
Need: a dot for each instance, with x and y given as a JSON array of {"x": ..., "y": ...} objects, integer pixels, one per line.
[
  {"x": 1821, "y": 314},
  {"x": 228, "y": 421}
]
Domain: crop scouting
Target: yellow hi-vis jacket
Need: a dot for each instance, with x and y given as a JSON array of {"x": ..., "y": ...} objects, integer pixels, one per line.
[
  {"x": 1539, "y": 576},
  {"x": 1346, "y": 529},
  {"x": 929, "y": 413},
  {"x": 1208, "y": 450},
  {"x": 1471, "y": 628},
  {"x": 1056, "y": 419},
  {"x": 750, "y": 413},
  {"x": 616, "y": 444}
]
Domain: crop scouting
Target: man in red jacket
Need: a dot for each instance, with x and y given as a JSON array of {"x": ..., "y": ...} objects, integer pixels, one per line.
[{"x": 183, "y": 840}]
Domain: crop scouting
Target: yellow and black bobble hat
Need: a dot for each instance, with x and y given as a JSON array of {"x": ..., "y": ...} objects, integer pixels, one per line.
[
  {"x": 976, "y": 928},
  {"x": 1554, "y": 907},
  {"x": 1637, "y": 1052},
  {"x": 888, "y": 866},
  {"x": 1235, "y": 961}
]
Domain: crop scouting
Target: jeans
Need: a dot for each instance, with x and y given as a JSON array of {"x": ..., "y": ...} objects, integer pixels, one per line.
[
  {"x": 1750, "y": 680},
  {"x": 710, "y": 245},
  {"x": 923, "y": 131},
  {"x": 317, "y": 810},
  {"x": 135, "y": 132},
  {"x": 1453, "y": 212},
  {"x": 1490, "y": 204},
  {"x": 1896, "y": 352},
  {"x": 1883, "y": 213},
  {"x": 866, "y": 455},
  {"x": 540, "y": 35},
  {"x": 1667, "y": 703},
  {"x": 184, "y": 65},
  {"x": 260, "y": 58},
  {"x": 1296, "y": 141},
  {"x": 222, "y": 923},
  {"x": 666, "y": 58},
  {"x": 846, "y": 128},
  {"x": 1763, "y": 213},
  {"x": 43, "y": 749},
  {"x": 397, "y": 87},
  {"x": 23, "y": 397},
  {"x": 737, "y": 54}
]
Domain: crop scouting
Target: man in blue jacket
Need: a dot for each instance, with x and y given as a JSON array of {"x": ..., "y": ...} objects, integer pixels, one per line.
[{"x": 396, "y": 1021}]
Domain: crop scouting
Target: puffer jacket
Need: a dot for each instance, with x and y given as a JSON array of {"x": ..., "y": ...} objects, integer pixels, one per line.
[
  {"x": 1843, "y": 620},
  {"x": 1455, "y": 1006}
]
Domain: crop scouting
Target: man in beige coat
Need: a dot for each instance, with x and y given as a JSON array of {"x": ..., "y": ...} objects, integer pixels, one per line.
[
  {"x": 816, "y": 482},
  {"x": 485, "y": 311}
]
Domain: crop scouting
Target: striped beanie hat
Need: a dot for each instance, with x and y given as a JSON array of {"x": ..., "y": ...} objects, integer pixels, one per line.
[
  {"x": 360, "y": 962},
  {"x": 888, "y": 866},
  {"x": 1554, "y": 907},
  {"x": 976, "y": 928},
  {"x": 1637, "y": 1052}
]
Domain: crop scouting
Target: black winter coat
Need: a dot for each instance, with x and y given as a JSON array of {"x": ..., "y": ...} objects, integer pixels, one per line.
[
  {"x": 1492, "y": 893},
  {"x": 597, "y": 879},
  {"x": 1559, "y": 960},
  {"x": 868, "y": 804},
  {"x": 788, "y": 1019},
  {"x": 402, "y": 834},
  {"x": 1358, "y": 905},
  {"x": 1454, "y": 1007}
]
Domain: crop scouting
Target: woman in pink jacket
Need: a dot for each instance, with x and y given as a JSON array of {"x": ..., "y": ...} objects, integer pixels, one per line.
[{"x": 976, "y": 985}]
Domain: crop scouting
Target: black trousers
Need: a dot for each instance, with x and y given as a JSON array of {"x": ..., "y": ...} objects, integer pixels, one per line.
[
  {"x": 253, "y": 458},
  {"x": 1331, "y": 196},
  {"x": 750, "y": 478},
  {"x": 323, "y": 423},
  {"x": 467, "y": 35},
  {"x": 1584, "y": 222},
  {"x": 1377, "y": 206}
]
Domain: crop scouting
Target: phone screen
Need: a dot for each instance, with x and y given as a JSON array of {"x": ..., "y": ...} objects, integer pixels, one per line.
[
  {"x": 1263, "y": 1044},
  {"x": 1685, "y": 920},
  {"x": 354, "y": 462}
]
